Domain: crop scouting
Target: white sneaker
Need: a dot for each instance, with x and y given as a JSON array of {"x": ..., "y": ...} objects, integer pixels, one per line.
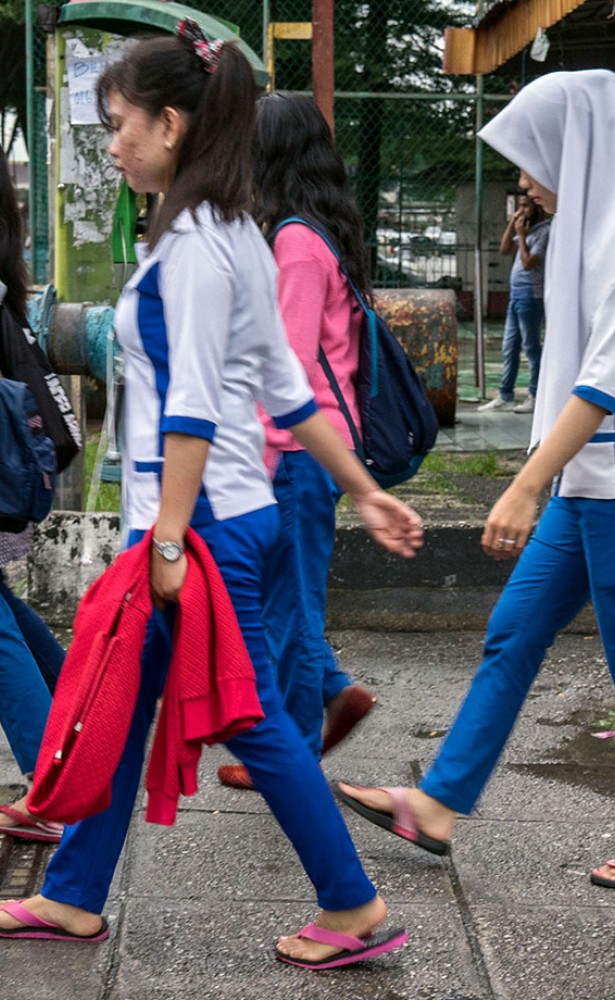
[
  {"x": 503, "y": 405},
  {"x": 527, "y": 406}
]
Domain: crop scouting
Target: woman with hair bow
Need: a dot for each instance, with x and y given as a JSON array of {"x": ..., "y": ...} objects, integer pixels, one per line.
[{"x": 203, "y": 345}]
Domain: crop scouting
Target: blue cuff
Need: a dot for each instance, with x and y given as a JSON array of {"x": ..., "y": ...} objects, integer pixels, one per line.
[
  {"x": 154, "y": 465},
  {"x": 188, "y": 425},
  {"x": 297, "y": 416},
  {"x": 595, "y": 396}
]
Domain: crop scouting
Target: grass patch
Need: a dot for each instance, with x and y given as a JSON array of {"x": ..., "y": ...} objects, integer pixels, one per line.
[
  {"x": 440, "y": 473},
  {"x": 108, "y": 499}
]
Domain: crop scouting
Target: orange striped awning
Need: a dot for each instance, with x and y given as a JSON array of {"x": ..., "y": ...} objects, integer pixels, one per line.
[{"x": 504, "y": 30}]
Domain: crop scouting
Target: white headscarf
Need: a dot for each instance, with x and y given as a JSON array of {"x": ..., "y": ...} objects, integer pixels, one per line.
[{"x": 560, "y": 129}]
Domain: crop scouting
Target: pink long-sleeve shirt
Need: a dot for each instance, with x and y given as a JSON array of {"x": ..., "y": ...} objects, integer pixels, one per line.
[{"x": 319, "y": 309}]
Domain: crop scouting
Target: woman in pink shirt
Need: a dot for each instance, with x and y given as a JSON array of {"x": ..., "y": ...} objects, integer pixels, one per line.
[{"x": 299, "y": 172}]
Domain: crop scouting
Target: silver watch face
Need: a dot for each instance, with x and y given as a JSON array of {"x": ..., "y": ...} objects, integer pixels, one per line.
[{"x": 170, "y": 551}]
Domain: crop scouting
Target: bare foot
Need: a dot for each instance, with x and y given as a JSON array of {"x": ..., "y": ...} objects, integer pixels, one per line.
[
  {"x": 78, "y": 922},
  {"x": 20, "y": 806},
  {"x": 357, "y": 923},
  {"x": 432, "y": 818},
  {"x": 605, "y": 872}
]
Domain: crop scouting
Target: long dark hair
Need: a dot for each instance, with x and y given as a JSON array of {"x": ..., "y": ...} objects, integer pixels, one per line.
[
  {"x": 13, "y": 271},
  {"x": 298, "y": 171},
  {"x": 214, "y": 161}
]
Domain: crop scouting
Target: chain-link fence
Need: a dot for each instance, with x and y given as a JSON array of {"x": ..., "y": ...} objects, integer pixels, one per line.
[
  {"x": 37, "y": 138},
  {"x": 405, "y": 129}
]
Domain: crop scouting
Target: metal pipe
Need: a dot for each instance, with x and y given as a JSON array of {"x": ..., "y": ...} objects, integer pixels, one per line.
[
  {"x": 479, "y": 341},
  {"x": 323, "y": 70},
  {"x": 29, "y": 25},
  {"x": 77, "y": 339},
  {"x": 266, "y": 20}
]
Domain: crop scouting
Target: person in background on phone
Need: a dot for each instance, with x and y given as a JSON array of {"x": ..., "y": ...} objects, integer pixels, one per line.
[{"x": 526, "y": 236}]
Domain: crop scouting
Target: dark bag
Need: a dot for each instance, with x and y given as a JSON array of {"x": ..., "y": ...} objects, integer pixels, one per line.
[
  {"x": 398, "y": 423},
  {"x": 27, "y": 459},
  {"x": 22, "y": 359}
]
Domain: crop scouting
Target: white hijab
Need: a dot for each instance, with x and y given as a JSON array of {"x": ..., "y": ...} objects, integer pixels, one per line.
[{"x": 560, "y": 129}]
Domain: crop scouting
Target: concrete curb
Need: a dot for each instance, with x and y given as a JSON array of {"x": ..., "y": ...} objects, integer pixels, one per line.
[{"x": 450, "y": 585}]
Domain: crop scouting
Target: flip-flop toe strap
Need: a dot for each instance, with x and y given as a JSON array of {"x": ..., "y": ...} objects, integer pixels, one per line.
[
  {"x": 403, "y": 818},
  {"x": 25, "y": 916},
  {"x": 29, "y": 822},
  {"x": 334, "y": 938}
]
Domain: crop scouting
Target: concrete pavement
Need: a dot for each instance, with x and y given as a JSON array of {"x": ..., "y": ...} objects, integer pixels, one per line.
[{"x": 194, "y": 909}]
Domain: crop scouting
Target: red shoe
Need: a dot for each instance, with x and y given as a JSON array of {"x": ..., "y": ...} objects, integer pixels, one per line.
[
  {"x": 352, "y": 704},
  {"x": 235, "y": 776}
]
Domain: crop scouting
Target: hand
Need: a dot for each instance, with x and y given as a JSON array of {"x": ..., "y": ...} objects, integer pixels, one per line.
[
  {"x": 166, "y": 579},
  {"x": 521, "y": 223},
  {"x": 390, "y": 522},
  {"x": 509, "y": 524}
]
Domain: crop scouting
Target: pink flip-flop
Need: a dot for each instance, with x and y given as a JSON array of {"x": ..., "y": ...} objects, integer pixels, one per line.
[
  {"x": 36, "y": 927},
  {"x": 598, "y": 879},
  {"x": 352, "y": 949},
  {"x": 29, "y": 828},
  {"x": 401, "y": 820}
]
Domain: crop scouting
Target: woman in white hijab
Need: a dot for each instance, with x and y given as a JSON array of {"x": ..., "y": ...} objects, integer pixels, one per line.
[{"x": 560, "y": 132}]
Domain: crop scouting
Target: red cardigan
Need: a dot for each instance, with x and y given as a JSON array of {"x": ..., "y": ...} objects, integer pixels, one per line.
[{"x": 209, "y": 696}]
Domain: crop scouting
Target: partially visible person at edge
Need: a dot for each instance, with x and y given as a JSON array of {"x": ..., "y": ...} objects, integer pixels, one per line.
[
  {"x": 560, "y": 132},
  {"x": 526, "y": 236},
  {"x": 30, "y": 655},
  {"x": 203, "y": 342},
  {"x": 299, "y": 172}
]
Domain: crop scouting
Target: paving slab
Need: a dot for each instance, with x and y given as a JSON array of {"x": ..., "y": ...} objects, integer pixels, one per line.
[
  {"x": 547, "y": 952},
  {"x": 200, "y": 950},
  {"x": 512, "y": 914}
]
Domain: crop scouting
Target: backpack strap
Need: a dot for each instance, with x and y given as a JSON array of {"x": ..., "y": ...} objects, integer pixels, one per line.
[{"x": 322, "y": 357}]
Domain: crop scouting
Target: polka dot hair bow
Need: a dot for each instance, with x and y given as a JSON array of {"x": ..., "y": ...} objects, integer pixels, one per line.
[{"x": 208, "y": 52}]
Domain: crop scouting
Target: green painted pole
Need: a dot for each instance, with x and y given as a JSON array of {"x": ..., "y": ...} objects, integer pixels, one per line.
[
  {"x": 479, "y": 332},
  {"x": 29, "y": 21}
]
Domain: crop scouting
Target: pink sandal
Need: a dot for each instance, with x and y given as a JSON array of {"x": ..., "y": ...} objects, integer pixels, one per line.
[
  {"x": 401, "y": 820},
  {"x": 352, "y": 949},
  {"x": 29, "y": 828},
  {"x": 598, "y": 879},
  {"x": 36, "y": 927}
]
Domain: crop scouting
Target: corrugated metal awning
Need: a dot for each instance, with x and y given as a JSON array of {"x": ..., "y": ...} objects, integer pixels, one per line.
[{"x": 503, "y": 32}]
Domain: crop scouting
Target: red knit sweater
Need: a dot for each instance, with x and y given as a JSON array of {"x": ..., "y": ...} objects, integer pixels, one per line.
[{"x": 210, "y": 693}]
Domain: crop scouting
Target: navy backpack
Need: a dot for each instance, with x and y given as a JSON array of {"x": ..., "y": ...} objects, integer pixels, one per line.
[
  {"x": 27, "y": 459},
  {"x": 398, "y": 423}
]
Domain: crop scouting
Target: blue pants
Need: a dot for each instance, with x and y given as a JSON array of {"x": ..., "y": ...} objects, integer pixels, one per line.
[
  {"x": 274, "y": 752},
  {"x": 570, "y": 558},
  {"x": 522, "y": 329},
  {"x": 39, "y": 638},
  {"x": 295, "y": 593},
  {"x": 27, "y": 648}
]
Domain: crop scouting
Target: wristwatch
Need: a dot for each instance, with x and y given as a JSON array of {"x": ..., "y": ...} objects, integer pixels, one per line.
[{"x": 170, "y": 551}]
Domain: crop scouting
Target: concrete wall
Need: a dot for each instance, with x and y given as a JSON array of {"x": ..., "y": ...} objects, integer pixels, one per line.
[{"x": 450, "y": 585}]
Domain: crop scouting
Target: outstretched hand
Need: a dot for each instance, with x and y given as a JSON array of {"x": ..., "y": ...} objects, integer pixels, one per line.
[{"x": 390, "y": 522}]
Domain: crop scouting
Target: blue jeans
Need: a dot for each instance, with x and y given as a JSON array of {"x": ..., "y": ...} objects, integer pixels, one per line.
[
  {"x": 522, "y": 329},
  {"x": 81, "y": 870},
  {"x": 25, "y": 697},
  {"x": 570, "y": 558},
  {"x": 295, "y": 592},
  {"x": 39, "y": 638}
]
